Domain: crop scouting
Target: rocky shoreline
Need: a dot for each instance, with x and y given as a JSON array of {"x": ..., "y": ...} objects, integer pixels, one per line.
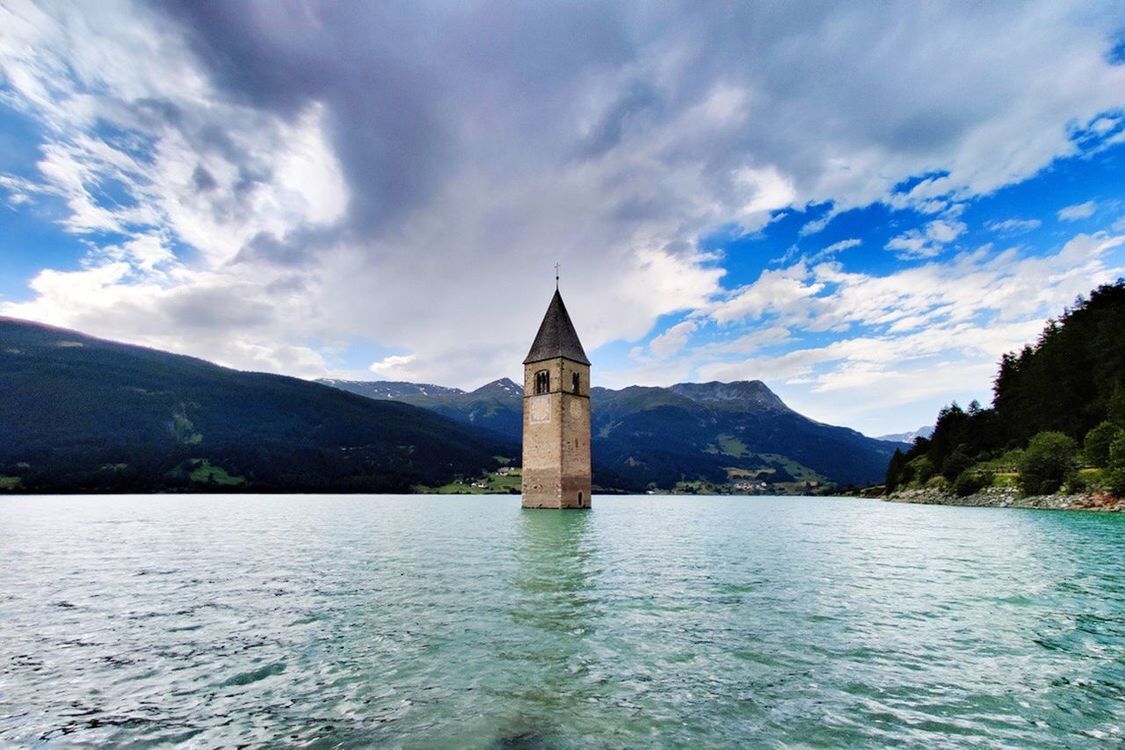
[{"x": 1006, "y": 497}]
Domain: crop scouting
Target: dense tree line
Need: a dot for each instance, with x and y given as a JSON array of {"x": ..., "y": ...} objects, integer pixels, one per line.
[
  {"x": 78, "y": 414},
  {"x": 1058, "y": 407}
]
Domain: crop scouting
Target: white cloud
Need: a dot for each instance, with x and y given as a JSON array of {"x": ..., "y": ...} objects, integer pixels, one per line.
[
  {"x": 774, "y": 291},
  {"x": 1077, "y": 212},
  {"x": 747, "y": 343},
  {"x": 914, "y": 336},
  {"x": 841, "y": 245},
  {"x": 930, "y": 196},
  {"x": 673, "y": 339},
  {"x": 866, "y": 361},
  {"x": 834, "y": 249},
  {"x": 817, "y": 225},
  {"x": 767, "y": 190},
  {"x": 1105, "y": 124},
  {"x": 177, "y": 309},
  {"x": 415, "y": 190},
  {"x": 928, "y": 241},
  {"x": 1014, "y": 226},
  {"x": 147, "y": 254},
  {"x": 393, "y": 366}
]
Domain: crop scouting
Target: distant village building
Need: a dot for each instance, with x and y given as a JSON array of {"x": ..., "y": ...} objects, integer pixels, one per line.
[{"x": 556, "y": 415}]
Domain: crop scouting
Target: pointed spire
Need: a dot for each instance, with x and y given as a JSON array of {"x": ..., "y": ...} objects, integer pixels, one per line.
[{"x": 556, "y": 337}]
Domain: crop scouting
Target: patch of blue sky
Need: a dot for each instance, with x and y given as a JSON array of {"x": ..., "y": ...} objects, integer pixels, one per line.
[
  {"x": 614, "y": 355},
  {"x": 19, "y": 142},
  {"x": 781, "y": 243},
  {"x": 1023, "y": 214},
  {"x": 1116, "y": 53},
  {"x": 185, "y": 253},
  {"x": 138, "y": 146},
  {"x": 31, "y": 233},
  {"x": 31, "y": 240},
  {"x": 353, "y": 358},
  {"x": 1094, "y": 178},
  {"x": 873, "y": 226},
  {"x": 111, "y": 193}
]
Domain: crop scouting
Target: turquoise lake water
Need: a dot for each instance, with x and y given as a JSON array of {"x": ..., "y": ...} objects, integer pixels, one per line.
[{"x": 351, "y": 621}]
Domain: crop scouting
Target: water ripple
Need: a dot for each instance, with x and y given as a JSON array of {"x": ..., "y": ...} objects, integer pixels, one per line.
[{"x": 466, "y": 622}]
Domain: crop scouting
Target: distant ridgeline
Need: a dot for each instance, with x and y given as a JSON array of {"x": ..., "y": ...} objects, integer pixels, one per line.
[
  {"x": 78, "y": 414},
  {"x": 701, "y": 437},
  {"x": 1056, "y": 420}
]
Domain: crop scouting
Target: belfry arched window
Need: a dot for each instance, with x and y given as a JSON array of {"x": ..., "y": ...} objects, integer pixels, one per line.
[
  {"x": 542, "y": 381},
  {"x": 575, "y": 381}
]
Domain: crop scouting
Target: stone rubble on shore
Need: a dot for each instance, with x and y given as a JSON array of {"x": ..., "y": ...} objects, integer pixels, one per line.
[{"x": 1009, "y": 497}]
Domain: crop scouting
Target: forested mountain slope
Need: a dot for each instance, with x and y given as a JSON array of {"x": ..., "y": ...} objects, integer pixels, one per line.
[
  {"x": 721, "y": 433},
  {"x": 1050, "y": 396},
  {"x": 82, "y": 414}
]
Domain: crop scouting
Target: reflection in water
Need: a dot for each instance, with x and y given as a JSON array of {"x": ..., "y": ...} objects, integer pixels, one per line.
[
  {"x": 553, "y": 618},
  {"x": 555, "y": 561}
]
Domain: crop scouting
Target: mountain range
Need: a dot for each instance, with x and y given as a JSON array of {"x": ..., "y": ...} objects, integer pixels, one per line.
[
  {"x": 908, "y": 437},
  {"x": 661, "y": 437},
  {"x": 81, "y": 414}
]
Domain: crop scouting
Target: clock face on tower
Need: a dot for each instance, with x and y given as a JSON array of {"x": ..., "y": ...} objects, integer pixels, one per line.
[{"x": 539, "y": 409}]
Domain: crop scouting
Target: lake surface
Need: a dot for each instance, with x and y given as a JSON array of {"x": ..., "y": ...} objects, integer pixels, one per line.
[{"x": 350, "y": 621}]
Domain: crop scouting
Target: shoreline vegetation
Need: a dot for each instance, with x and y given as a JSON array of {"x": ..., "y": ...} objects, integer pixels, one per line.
[{"x": 1054, "y": 435}]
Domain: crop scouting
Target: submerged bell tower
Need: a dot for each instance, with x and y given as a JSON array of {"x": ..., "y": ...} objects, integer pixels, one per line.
[{"x": 556, "y": 415}]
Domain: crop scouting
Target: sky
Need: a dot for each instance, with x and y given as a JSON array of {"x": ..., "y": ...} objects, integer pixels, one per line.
[{"x": 864, "y": 205}]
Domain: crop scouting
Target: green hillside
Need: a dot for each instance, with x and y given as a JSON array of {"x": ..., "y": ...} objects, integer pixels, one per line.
[
  {"x": 701, "y": 435},
  {"x": 1057, "y": 414},
  {"x": 82, "y": 414},
  {"x": 722, "y": 433}
]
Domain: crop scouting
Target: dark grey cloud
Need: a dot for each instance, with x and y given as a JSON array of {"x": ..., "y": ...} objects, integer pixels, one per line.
[
  {"x": 247, "y": 61},
  {"x": 364, "y": 61},
  {"x": 415, "y": 92},
  {"x": 215, "y": 309},
  {"x": 368, "y": 168},
  {"x": 297, "y": 249},
  {"x": 203, "y": 180},
  {"x": 637, "y": 104},
  {"x": 159, "y": 108},
  {"x": 267, "y": 247}
]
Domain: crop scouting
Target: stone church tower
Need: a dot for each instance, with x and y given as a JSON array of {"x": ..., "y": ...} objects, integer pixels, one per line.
[{"x": 556, "y": 415}]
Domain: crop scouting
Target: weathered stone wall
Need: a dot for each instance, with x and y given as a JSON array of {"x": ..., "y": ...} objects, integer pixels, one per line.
[
  {"x": 556, "y": 437},
  {"x": 576, "y": 451}
]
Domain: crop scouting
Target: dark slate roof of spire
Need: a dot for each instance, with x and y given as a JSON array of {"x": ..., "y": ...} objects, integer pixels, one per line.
[{"x": 556, "y": 337}]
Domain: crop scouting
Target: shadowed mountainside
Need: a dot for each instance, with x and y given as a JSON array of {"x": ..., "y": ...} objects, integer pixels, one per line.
[
  {"x": 79, "y": 414},
  {"x": 82, "y": 414},
  {"x": 689, "y": 432},
  {"x": 496, "y": 406}
]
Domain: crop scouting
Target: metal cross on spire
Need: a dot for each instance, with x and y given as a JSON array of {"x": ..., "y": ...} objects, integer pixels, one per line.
[{"x": 556, "y": 277}]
